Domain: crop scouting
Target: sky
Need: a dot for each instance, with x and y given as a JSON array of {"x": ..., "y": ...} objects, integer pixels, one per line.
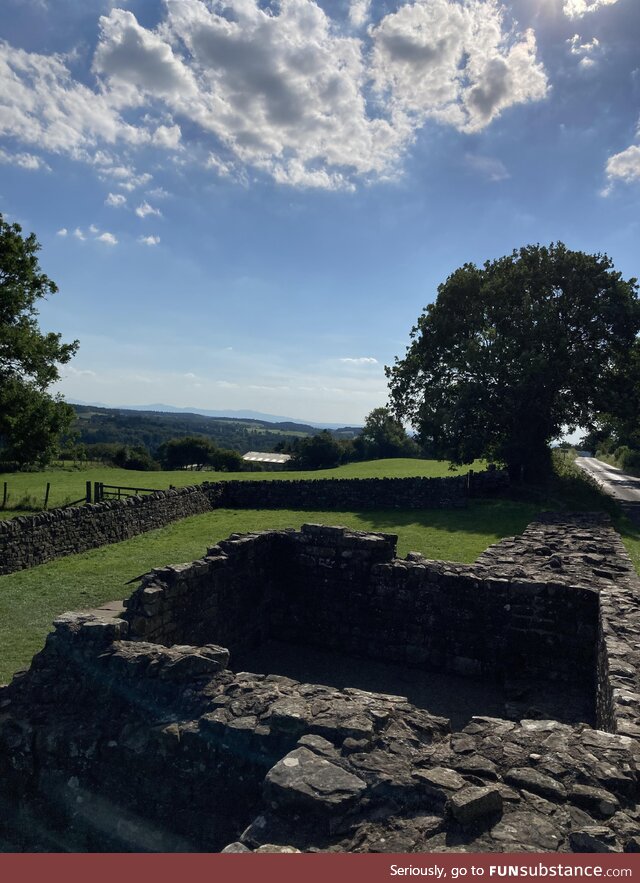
[{"x": 247, "y": 205}]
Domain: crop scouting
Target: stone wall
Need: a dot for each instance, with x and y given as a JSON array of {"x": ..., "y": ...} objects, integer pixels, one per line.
[
  {"x": 34, "y": 539},
  {"x": 344, "y": 494},
  {"x": 115, "y": 742}
]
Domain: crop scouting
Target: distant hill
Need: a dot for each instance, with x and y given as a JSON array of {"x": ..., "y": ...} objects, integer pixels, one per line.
[
  {"x": 150, "y": 428},
  {"x": 235, "y": 415}
]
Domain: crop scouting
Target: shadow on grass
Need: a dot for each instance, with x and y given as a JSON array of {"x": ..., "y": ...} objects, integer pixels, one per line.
[{"x": 483, "y": 517}]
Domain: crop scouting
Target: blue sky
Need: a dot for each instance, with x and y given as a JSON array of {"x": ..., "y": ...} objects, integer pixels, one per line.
[{"x": 247, "y": 205}]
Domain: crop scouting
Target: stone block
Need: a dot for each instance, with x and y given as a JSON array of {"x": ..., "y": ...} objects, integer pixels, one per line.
[
  {"x": 474, "y": 804},
  {"x": 305, "y": 781}
]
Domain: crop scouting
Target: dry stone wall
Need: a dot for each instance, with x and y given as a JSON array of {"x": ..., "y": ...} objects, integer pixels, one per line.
[
  {"x": 33, "y": 539},
  {"x": 131, "y": 730},
  {"x": 29, "y": 540}
]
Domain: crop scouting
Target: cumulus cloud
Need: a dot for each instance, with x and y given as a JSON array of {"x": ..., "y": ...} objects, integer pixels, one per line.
[
  {"x": 62, "y": 232},
  {"x": 284, "y": 90},
  {"x": 624, "y": 166},
  {"x": 24, "y": 161},
  {"x": 79, "y": 234},
  {"x": 107, "y": 238},
  {"x": 578, "y": 8},
  {"x": 359, "y": 12},
  {"x": 361, "y": 360},
  {"x": 116, "y": 200},
  {"x": 144, "y": 210},
  {"x": 41, "y": 104},
  {"x": 455, "y": 63},
  {"x": 136, "y": 57},
  {"x": 149, "y": 240},
  {"x": 584, "y": 50},
  {"x": 167, "y": 137},
  {"x": 125, "y": 177}
]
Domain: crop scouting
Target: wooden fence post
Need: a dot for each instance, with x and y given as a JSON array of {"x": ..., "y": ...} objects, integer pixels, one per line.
[
  {"x": 96, "y": 492},
  {"x": 4, "y": 495},
  {"x": 88, "y": 496},
  {"x": 46, "y": 496}
]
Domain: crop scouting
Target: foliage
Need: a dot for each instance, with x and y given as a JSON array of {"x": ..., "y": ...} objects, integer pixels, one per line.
[
  {"x": 137, "y": 458},
  {"x": 177, "y": 453},
  {"x": 510, "y": 354},
  {"x": 31, "y": 420},
  {"x": 321, "y": 451},
  {"x": 384, "y": 436}
]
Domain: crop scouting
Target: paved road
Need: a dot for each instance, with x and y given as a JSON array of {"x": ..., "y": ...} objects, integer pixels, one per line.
[{"x": 620, "y": 485}]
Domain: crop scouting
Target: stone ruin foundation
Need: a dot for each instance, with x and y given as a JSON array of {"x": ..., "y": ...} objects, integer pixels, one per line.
[{"x": 135, "y": 729}]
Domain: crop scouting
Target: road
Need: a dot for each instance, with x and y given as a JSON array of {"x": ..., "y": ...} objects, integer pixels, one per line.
[{"x": 620, "y": 485}]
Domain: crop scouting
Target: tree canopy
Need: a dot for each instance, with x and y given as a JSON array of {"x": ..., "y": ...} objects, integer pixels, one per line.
[
  {"x": 511, "y": 353},
  {"x": 198, "y": 451},
  {"x": 384, "y": 436},
  {"x": 31, "y": 420}
]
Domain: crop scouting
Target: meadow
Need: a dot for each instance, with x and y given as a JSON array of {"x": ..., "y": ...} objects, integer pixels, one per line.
[
  {"x": 26, "y": 490},
  {"x": 31, "y": 599}
]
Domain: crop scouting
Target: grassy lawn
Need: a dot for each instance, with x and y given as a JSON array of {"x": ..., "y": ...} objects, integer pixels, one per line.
[{"x": 26, "y": 490}]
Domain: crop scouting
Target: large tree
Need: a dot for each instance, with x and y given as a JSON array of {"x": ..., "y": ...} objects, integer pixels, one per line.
[
  {"x": 384, "y": 436},
  {"x": 511, "y": 353},
  {"x": 31, "y": 420}
]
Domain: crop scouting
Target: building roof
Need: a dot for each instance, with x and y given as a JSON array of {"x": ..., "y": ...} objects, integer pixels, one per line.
[{"x": 265, "y": 457}]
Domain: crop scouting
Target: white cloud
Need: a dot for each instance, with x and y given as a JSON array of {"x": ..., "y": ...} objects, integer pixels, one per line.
[
  {"x": 149, "y": 240},
  {"x": 284, "y": 90},
  {"x": 585, "y": 51},
  {"x": 62, "y": 232},
  {"x": 72, "y": 371},
  {"x": 79, "y": 234},
  {"x": 107, "y": 238},
  {"x": 359, "y": 12},
  {"x": 578, "y": 8},
  {"x": 126, "y": 176},
  {"x": 93, "y": 229},
  {"x": 24, "y": 161},
  {"x": 362, "y": 360},
  {"x": 624, "y": 166},
  {"x": 144, "y": 210},
  {"x": 167, "y": 137},
  {"x": 489, "y": 167},
  {"x": 455, "y": 63},
  {"x": 134, "y": 56},
  {"x": 41, "y": 104},
  {"x": 116, "y": 200}
]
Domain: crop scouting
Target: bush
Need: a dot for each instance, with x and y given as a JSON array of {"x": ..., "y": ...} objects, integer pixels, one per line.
[{"x": 628, "y": 458}]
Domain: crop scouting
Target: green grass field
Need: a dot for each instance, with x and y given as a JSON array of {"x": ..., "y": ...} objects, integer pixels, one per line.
[
  {"x": 31, "y": 599},
  {"x": 26, "y": 490}
]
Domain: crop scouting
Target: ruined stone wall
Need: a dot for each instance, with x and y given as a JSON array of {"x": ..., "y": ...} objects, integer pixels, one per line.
[
  {"x": 335, "y": 588},
  {"x": 437, "y": 616},
  {"x": 34, "y": 539},
  {"x": 114, "y": 742},
  {"x": 224, "y": 598}
]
